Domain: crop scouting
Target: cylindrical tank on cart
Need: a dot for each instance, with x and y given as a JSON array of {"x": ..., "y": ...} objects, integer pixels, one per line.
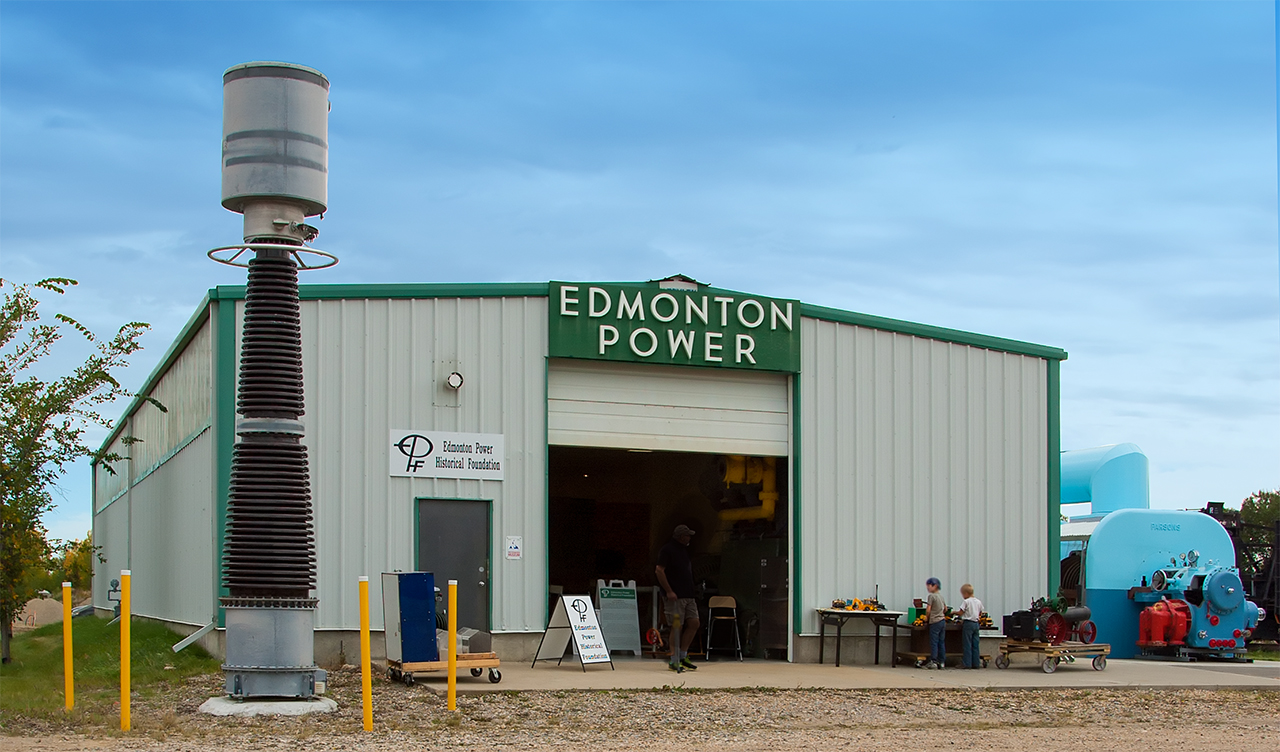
[
  {"x": 1126, "y": 548},
  {"x": 275, "y": 136}
]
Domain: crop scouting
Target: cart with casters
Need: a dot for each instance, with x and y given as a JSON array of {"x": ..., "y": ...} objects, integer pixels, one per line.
[
  {"x": 1051, "y": 656},
  {"x": 476, "y": 662}
]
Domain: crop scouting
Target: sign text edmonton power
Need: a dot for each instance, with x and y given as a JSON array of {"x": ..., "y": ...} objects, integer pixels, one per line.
[{"x": 645, "y": 323}]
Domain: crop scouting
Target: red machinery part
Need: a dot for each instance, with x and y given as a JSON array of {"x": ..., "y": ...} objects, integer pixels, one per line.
[
  {"x": 1086, "y": 632},
  {"x": 1054, "y": 628},
  {"x": 1164, "y": 623}
]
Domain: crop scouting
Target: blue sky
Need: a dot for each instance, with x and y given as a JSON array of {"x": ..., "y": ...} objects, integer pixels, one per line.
[{"x": 1099, "y": 177}]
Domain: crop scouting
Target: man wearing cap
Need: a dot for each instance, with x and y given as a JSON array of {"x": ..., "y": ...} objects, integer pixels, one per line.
[{"x": 675, "y": 575}]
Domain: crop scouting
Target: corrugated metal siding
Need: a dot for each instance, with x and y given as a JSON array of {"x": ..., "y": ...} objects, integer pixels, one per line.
[
  {"x": 668, "y": 408},
  {"x": 171, "y": 494},
  {"x": 372, "y": 365},
  {"x": 109, "y": 485},
  {"x": 173, "y": 537},
  {"x": 919, "y": 458},
  {"x": 111, "y": 532},
  {"x": 186, "y": 390}
]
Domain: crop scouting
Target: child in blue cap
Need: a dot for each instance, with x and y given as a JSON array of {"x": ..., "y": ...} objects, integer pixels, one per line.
[{"x": 936, "y": 615}]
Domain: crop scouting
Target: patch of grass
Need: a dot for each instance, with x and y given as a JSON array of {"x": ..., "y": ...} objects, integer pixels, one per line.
[
  {"x": 32, "y": 684},
  {"x": 1267, "y": 654}
]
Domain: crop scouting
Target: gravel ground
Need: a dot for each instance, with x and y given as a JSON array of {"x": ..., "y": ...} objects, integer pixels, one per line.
[{"x": 416, "y": 719}]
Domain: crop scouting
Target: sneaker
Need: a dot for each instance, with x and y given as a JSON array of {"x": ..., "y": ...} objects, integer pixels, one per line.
[
  {"x": 676, "y": 667},
  {"x": 930, "y": 665},
  {"x": 686, "y": 663}
]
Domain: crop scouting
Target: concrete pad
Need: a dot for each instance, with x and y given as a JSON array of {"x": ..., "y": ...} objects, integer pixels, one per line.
[
  {"x": 643, "y": 674},
  {"x": 225, "y": 706}
]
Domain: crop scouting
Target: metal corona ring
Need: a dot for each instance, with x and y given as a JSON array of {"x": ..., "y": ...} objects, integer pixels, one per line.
[{"x": 298, "y": 252}]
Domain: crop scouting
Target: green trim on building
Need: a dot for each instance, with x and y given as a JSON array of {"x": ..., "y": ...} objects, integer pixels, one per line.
[
  {"x": 170, "y": 355},
  {"x": 928, "y": 331},
  {"x": 542, "y": 290},
  {"x": 134, "y": 482},
  {"x": 1054, "y": 399},
  {"x": 546, "y": 485},
  {"x": 224, "y": 434},
  {"x": 797, "y": 612},
  {"x": 403, "y": 291}
]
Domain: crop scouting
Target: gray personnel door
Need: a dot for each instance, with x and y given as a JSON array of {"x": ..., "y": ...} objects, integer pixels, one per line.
[{"x": 454, "y": 544}]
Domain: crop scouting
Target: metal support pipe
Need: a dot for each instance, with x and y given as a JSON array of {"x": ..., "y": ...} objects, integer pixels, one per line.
[
  {"x": 68, "y": 676},
  {"x": 453, "y": 644},
  {"x": 126, "y": 610},
  {"x": 366, "y": 660}
]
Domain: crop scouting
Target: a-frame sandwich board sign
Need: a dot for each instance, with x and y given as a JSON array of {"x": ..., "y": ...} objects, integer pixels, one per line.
[{"x": 573, "y": 618}]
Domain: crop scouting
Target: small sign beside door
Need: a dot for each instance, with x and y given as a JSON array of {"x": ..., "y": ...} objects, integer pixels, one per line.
[
  {"x": 441, "y": 454},
  {"x": 515, "y": 547}
]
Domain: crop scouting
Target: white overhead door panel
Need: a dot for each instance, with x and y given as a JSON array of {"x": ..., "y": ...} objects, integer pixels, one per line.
[{"x": 668, "y": 408}]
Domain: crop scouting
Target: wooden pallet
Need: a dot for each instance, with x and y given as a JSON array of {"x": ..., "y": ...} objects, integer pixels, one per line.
[
  {"x": 1052, "y": 654},
  {"x": 476, "y": 662}
]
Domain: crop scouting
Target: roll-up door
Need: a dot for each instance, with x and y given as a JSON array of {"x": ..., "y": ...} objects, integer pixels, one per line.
[{"x": 667, "y": 408}]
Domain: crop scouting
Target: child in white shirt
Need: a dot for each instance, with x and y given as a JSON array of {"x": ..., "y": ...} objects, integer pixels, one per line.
[{"x": 970, "y": 615}]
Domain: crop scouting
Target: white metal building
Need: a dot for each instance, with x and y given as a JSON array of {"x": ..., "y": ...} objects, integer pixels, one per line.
[{"x": 903, "y": 451}]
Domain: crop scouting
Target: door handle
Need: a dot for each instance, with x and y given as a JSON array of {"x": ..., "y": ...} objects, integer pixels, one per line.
[{"x": 481, "y": 583}]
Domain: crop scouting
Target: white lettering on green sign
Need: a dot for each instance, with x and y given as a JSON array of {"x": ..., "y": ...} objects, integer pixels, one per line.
[{"x": 645, "y": 323}]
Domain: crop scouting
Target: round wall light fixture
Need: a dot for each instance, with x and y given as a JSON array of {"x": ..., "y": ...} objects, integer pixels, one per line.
[{"x": 454, "y": 380}]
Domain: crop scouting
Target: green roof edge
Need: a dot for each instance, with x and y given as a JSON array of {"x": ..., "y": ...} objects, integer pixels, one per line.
[
  {"x": 175, "y": 349},
  {"x": 405, "y": 290},
  {"x": 542, "y": 289},
  {"x": 985, "y": 341}
]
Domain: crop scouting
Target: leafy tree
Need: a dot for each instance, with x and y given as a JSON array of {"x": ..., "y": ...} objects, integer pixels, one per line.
[
  {"x": 1261, "y": 508},
  {"x": 76, "y": 566},
  {"x": 66, "y": 561},
  {"x": 42, "y": 426}
]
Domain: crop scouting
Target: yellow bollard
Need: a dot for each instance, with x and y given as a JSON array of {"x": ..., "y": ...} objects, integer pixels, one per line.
[
  {"x": 453, "y": 644},
  {"x": 125, "y": 721},
  {"x": 366, "y": 670},
  {"x": 68, "y": 677}
]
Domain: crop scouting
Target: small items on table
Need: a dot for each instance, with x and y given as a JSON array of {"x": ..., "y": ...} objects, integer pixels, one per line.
[{"x": 842, "y": 611}]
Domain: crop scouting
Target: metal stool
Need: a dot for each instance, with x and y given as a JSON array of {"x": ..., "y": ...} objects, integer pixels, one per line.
[{"x": 723, "y": 608}]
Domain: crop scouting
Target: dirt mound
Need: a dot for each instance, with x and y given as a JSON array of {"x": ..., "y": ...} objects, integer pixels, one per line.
[{"x": 39, "y": 612}]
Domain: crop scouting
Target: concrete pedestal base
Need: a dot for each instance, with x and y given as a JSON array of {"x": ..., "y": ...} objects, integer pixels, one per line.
[{"x": 225, "y": 706}]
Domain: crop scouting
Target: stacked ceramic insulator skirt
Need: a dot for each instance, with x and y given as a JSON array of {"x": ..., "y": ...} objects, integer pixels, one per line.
[{"x": 269, "y": 550}]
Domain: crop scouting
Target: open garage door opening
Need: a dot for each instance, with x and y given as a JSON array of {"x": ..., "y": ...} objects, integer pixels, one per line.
[{"x": 612, "y": 510}]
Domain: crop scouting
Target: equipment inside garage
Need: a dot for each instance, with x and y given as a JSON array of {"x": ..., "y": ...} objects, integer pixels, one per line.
[{"x": 611, "y": 510}]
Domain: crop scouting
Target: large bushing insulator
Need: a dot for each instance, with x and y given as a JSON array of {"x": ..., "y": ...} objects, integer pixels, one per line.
[{"x": 269, "y": 550}]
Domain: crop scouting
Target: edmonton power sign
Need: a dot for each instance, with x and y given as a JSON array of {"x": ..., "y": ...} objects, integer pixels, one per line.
[{"x": 648, "y": 324}]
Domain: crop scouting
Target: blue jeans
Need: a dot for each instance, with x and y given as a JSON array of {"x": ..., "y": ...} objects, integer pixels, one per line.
[
  {"x": 969, "y": 643},
  {"x": 938, "y": 642}
]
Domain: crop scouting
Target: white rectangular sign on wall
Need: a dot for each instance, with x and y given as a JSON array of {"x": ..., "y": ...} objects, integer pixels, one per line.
[{"x": 441, "y": 454}]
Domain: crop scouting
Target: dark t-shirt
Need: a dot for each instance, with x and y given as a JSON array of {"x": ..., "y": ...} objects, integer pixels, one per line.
[{"x": 674, "y": 560}]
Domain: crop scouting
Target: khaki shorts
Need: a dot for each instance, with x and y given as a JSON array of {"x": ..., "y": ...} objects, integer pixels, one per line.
[{"x": 685, "y": 608}]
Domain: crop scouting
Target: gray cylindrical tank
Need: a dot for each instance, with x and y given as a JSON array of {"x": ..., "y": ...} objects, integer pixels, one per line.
[{"x": 275, "y": 136}]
